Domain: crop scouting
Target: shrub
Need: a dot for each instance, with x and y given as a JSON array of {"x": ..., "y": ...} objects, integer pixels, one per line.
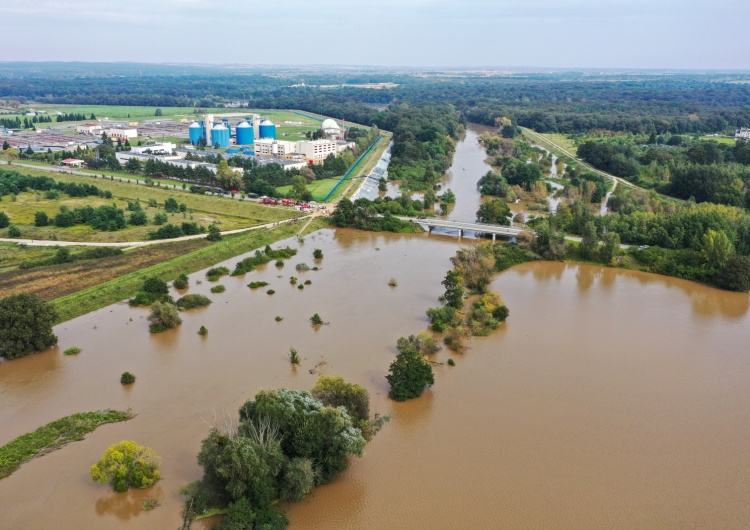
[
  {"x": 203, "y": 331},
  {"x": 270, "y": 291},
  {"x": 300, "y": 287},
  {"x": 163, "y": 316},
  {"x": 217, "y": 289},
  {"x": 215, "y": 273},
  {"x": 4, "y": 220},
  {"x": 41, "y": 219},
  {"x": 315, "y": 320},
  {"x": 25, "y": 325},
  {"x": 181, "y": 282},
  {"x": 442, "y": 317},
  {"x": 317, "y": 254},
  {"x": 454, "y": 339},
  {"x": 149, "y": 503},
  {"x": 392, "y": 282},
  {"x": 127, "y": 378},
  {"x": 279, "y": 319},
  {"x": 73, "y": 350},
  {"x": 191, "y": 301},
  {"x": 214, "y": 234},
  {"x": 155, "y": 286},
  {"x": 14, "y": 231},
  {"x": 302, "y": 267},
  {"x": 257, "y": 285},
  {"x": 308, "y": 282},
  {"x": 294, "y": 355},
  {"x": 451, "y": 362},
  {"x": 259, "y": 258},
  {"x": 424, "y": 343},
  {"x": 125, "y": 465},
  {"x": 293, "y": 280},
  {"x": 279, "y": 263},
  {"x": 160, "y": 218}
]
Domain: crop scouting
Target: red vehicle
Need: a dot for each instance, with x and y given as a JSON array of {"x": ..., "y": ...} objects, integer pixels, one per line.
[{"x": 269, "y": 200}]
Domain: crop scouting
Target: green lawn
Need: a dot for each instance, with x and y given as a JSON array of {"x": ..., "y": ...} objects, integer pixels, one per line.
[
  {"x": 719, "y": 139},
  {"x": 318, "y": 188}
]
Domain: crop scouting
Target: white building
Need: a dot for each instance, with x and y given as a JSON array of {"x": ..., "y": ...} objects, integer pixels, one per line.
[
  {"x": 159, "y": 148},
  {"x": 315, "y": 151},
  {"x": 122, "y": 134},
  {"x": 89, "y": 128},
  {"x": 742, "y": 133}
]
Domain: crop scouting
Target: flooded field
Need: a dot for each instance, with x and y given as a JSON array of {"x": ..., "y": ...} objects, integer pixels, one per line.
[{"x": 609, "y": 399}]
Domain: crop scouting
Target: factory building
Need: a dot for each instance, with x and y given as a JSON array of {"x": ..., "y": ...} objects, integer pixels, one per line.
[{"x": 89, "y": 128}]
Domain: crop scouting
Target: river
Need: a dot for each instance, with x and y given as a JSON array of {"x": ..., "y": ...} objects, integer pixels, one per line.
[{"x": 609, "y": 398}]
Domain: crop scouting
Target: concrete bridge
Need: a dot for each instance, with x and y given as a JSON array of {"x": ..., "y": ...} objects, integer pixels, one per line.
[{"x": 465, "y": 226}]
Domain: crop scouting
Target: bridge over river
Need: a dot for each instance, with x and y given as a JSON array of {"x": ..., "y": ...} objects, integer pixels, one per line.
[{"x": 466, "y": 226}]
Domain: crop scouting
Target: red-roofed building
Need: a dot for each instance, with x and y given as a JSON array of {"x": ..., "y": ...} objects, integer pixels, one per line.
[{"x": 72, "y": 162}]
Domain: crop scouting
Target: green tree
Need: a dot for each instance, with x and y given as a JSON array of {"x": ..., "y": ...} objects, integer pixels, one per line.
[
  {"x": 138, "y": 218},
  {"x": 409, "y": 374},
  {"x": 25, "y": 325},
  {"x": 133, "y": 166},
  {"x": 590, "y": 241},
  {"x": 127, "y": 465},
  {"x": 475, "y": 265},
  {"x": 494, "y": 211},
  {"x": 548, "y": 242},
  {"x": 299, "y": 186},
  {"x": 735, "y": 275},
  {"x": 158, "y": 112},
  {"x": 171, "y": 205},
  {"x": 611, "y": 247},
  {"x": 454, "y": 289},
  {"x": 41, "y": 219},
  {"x": 4, "y": 220},
  {"x": 14, "y": 231},
  {"x": 716, "y": 249},
  {"x": 227, "y": 177},
  {"x": 214, "y": 234}
]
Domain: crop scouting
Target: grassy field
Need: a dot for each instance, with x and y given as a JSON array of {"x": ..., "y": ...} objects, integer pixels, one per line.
[
  {"x": 365, "y": 166},
  {"x": 318, "y": 188},
  {"x": 563, "y": 141},
  {"x": 226, "y": 213},
  {"x": 54, "y": 436},
  {"x": 125, "y": 286},
  {"x": 13, "y": 254},
  {"x": 720, "y": 139}
]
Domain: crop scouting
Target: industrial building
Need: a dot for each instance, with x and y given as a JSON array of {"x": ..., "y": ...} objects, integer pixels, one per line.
[
  {"x": 314, "y": 151},
  {"x": 742, "y": 133},
  {"x": 246, "y": 131}
]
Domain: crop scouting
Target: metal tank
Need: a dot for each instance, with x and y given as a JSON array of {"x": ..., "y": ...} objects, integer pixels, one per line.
[
  {"x": 267, "y": 129},
  {"x": 245, "y": 134},
  {"x": 195, "y": 132},
  {"x": 220, "y": 135}
]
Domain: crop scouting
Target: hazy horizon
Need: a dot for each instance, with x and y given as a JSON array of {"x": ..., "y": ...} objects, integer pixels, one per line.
[{"x": 546, "y": 34}]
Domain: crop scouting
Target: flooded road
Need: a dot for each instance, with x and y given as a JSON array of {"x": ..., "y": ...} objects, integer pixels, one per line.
[{"x": 609, "y": 399}]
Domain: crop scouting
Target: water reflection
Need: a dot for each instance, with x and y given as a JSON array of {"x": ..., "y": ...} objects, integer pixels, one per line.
[{"x": 125, "y": 505}]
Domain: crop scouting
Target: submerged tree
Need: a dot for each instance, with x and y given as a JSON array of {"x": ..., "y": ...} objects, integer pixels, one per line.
[
  {"x": 409, "y": 374},
  {"x": 127, "y": 465}
]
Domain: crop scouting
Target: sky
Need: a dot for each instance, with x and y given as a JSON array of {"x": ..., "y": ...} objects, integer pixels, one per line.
[{"x": 672, "y": 34}]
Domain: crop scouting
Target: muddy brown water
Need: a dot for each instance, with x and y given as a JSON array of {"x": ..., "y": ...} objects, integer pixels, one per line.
[{"x": 609, "y": 399}]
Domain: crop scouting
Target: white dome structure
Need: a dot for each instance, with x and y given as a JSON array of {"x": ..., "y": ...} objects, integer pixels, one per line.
[{"x": 330, "y": 124}]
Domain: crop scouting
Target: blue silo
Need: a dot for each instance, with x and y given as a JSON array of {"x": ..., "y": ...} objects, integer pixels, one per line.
[
  {"x": 196, "y": 132},
  {"x": 220, "y": 135},
  {"x": 267, "y": 129},
  {"x": 245, "y": 134}
]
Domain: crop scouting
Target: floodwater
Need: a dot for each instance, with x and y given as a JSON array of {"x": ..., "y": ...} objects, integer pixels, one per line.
[
  {"x": 468, "y": 167},
  {"x": 609, "y": 399}
]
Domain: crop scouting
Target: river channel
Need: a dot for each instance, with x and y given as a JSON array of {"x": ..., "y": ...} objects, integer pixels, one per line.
[{"x": 609, "y": 399}]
